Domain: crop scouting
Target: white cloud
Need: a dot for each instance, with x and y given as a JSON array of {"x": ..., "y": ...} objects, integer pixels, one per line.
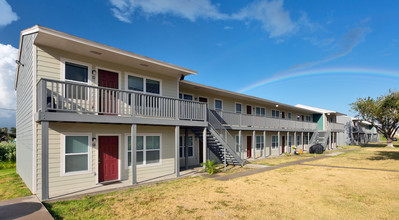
[
  {"x": 189, "y": 9},
  {"x": 228, "y": 28},
  {"x": 8, "y": 55},
  {"x": 7, "y": 16},
  {"x": 274, "y": 18}
]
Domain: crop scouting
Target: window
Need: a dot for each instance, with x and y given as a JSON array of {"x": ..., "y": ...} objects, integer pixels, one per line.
[
  {"x": 260, "y": 111},
  {"x": 76, "y": 153},
  {"x": 259, "y": 142},
  {"x": 275, "y": 114},
  {"x": 274, "y": 142},
  {"x": 238, "y": 108},
  {"x": 76, "y": 72},
  {"x": 237, "y": 144},
  {"x": 289, "y": 115},
  {"x": 182, "y": 144},
  {"x": 298, "y": 140},
  {"x": 218, "y": 104},
  {"x": 305, "y": 139},
  {"x": 141, "y": 84},
  {"x": 290, "y": 141},
  {"x": 135, "y": 83},
  {"x": 148, "y": 149},
  {"x": 308, "y": 118},
  {"x": 185, "y": 96}
]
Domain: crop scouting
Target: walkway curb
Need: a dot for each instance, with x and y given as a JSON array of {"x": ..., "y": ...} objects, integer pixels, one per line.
[{"x": 24, "y": 208}]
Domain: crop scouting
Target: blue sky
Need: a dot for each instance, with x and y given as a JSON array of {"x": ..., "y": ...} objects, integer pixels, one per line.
[{"x": 319, "y": 53}]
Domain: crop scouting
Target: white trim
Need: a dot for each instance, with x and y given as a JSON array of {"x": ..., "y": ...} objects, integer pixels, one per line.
[
  {"x": 34, "y": 124},
  {"x": 109, "y": 70},
  {"x": 62, "y": 68},
  {"x": 144, "y": 150},
  {"x": 127, "y": 74},
  {"x": 271, "y": 142},
  {"x": 260, "y": 108},
  {"x": 235, "y": 107},
  {"x": 263, "y": 142},
  {"x": 214, "y": 104},
  {"x": 98, "y": 154},
  {"x": 276, "y": 112},
  {"x": 290, "y": 114},
  {"x": 89, "y": 149}
]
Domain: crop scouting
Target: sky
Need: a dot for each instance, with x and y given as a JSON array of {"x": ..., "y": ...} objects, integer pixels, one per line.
[{"x": 324, "y": 54}]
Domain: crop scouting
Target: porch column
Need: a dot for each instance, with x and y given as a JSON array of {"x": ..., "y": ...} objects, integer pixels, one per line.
[
  {"x": 240, "y": 143},
  {"x": 264, "y": 142},
  {"x": 295, "y": 142},
  {"x": 302, "y": 141},
  {"x": 278, "y": 142},
  {"x": 253, "y": 144},
  {"x": 177, "y": 152},
  {"x": 186, "y": 148},
  {"x": 308, "y": 139},
  {"x": 45, "y": 143},
  {"x": 288, "y": 140},
  {"x": 204, "y": 147},
  {"x": 331, "y": 140},
  {"x": 133, "y": 143}
]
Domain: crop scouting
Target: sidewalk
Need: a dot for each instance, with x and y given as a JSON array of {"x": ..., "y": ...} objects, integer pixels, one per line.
[{"x": 24, "y": 208}]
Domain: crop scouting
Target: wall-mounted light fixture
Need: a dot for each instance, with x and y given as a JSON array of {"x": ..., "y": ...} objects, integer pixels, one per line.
[
  {"x": 93, "y": 140},
  {"x": 276, "y": 106},
  {"x": 19, "y": 63},
  {"x": 93, "y": 74}
]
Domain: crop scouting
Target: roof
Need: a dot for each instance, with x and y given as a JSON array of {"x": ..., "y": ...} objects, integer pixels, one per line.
[
  {"x": 66, "y": 42},
  {"x": 319, "y": 110},
  {"x": 223, "y": 92}
]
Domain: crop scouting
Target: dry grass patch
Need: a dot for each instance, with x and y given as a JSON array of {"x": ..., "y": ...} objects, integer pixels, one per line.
[
  {"x": 295, "y": 192},
  {"x": 367, "y": 157}
]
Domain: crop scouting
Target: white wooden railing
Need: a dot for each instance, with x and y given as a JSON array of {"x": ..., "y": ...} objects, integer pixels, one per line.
[
  {"x": 58, "y": 96},
  {"x": 243, "y": 120},
  {"x": 336, "y": 126}
]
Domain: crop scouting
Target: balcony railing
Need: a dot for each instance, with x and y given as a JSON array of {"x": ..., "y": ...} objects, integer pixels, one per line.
[
  {"x": 243, "y": 120},
  {"x": 58, "y": 96},
  {"x": 336, "y": 126}
]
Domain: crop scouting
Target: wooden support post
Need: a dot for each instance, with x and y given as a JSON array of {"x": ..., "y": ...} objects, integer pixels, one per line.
[
  {"x": 253, "y": 144},
  {"x": 308, "y": 139},
  {"x": 133, "y": 144},
  {"x": 302, "y": 142},
  {"x": 240, "y": 142},
  {"x": 279, "y": 142},
  {"x": 45, "y": 153},
  {"x": 177, "y": 152},
  {"x": 204, "y": 147},
  {"x": 264, "y": 142},
  {"x": 295, "y": 140},
  {"x": 288, "y": 140}
]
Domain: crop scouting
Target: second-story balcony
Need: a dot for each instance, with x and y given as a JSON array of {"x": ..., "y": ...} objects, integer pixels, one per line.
[
  {"x": 84, "y": 101},
  {"x": 242, "y": 121},
  {"x": 336, "y": 127}
]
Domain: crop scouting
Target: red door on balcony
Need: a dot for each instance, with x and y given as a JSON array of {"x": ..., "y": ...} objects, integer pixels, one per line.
[
  {"x": 108, "y": 158},
  {"x": 249, "y": 145},
  {"x": 249, "y": 110},
  {"x": 108, "y": 100}
]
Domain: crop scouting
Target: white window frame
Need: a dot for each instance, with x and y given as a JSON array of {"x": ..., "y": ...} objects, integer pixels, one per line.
[
  {"x": 214, "y": 104},
  {"x": 235, "y": 107},
  {"x": 184, "y": 147},
  {"x": 298, "y": 140},
  {"x": 182, "y": 95},
  {"x": 63, "y": 148},
  {"x": 306, "y": 118},
  {"x": 289, "y": 115},
  {"x": 290, "y": 141},
  {"x": 260, "y": 109},
  {"x": 144, "y": 84},
  {"x": 89, "y": 69},
  {"x": 144, "y": 149},
  {"x": 271, "y": 142},
  {"x": 261, "y": 143},
  {"x": 275, "y": 112}
]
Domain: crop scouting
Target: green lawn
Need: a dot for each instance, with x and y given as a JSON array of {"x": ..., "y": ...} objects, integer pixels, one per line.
[
  {"x": 294, "y": 192},
  {"x": 11, "y": 185}
]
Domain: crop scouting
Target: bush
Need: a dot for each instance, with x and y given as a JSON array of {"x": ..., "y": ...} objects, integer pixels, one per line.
[
  {"x": 209, "y": 166},
  {"x": 7, "y": 152}
]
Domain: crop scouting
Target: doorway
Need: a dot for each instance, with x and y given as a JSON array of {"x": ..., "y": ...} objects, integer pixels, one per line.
[
  {"x": 108, "y": 158},
  {"x": 108, "y": 99},
  {"x": 249, "y": 110},
  {"x": 283, "y": 144},
  {"x": 249, "y": 145}
]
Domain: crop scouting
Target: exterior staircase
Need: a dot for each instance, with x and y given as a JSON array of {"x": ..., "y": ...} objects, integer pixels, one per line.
[
  {"x": 321, "y": 137},
  {"x": 217, "y": 140}
]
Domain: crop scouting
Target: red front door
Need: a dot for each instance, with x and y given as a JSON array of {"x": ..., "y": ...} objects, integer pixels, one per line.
[
  {"x": 249, "y": 109},
  {"x": 249, "y": 145},
  {"x": 108, "y": 100},
  {"x": 108, "y": 158}
]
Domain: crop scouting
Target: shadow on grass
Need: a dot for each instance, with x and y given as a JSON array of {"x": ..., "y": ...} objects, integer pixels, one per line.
[
  {"x": 386, "y": 155},
  {"x": 379, "y": 145}
]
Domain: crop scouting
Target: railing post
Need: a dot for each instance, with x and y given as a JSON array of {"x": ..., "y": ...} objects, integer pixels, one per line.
[
  {"x": 44, "y": 95},
  {"x": 240, "y": 120}
]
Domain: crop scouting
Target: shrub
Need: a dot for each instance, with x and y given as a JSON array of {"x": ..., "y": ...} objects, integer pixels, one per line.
[
  {"x": 209, "y": 166},
  {"x": 7, "y": 152}
]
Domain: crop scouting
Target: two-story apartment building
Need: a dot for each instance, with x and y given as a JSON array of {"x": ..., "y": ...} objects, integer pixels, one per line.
[
  {"x": 90, "y": 114},
  {"x": 357, "y": 131}
]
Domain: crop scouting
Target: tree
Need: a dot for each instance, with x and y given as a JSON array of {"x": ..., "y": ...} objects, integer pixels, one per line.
[
  {"x": 13, "y": 132},
  {"x": 382, "y": 113}
]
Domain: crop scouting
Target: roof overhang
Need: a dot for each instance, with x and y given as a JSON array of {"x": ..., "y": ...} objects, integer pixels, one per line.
[
  {"x": 209, "y": 89},
  {"x": 320, "y": 111},
  {"x": 66, "y": 42}
]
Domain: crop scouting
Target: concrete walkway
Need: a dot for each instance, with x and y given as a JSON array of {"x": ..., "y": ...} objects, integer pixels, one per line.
[
  {"x": 24, "y": 208},
  {"x": 261, "y": 170}
]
